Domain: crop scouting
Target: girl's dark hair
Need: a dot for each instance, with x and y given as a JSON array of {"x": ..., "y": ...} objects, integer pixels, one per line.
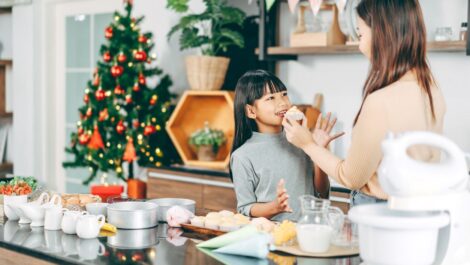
[
  {"x": 398, "y": 45},
  {"x": 250, "y": 87}
]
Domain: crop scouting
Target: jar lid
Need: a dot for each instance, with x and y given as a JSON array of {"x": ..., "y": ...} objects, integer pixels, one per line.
[{"x": 464, "y": 24}]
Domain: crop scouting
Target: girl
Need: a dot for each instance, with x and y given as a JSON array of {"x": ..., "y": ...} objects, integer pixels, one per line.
[
  {"x": 399, "y": 95},
  {"x": 261, "y": 157}
]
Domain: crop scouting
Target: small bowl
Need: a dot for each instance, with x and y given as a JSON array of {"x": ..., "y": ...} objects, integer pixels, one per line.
[{"x": 97, "y": 208}]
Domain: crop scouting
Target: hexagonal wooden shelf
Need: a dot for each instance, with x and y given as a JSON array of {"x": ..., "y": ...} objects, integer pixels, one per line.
[{"x": 195, "y": 108}]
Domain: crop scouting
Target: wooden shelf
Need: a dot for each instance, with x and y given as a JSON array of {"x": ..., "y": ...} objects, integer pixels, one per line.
[
  {"x": 447, "y": 46},
  {"x": 194, "y": 108}
]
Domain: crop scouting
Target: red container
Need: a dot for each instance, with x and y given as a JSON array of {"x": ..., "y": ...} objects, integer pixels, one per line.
[{"x": 105, "y": 191}]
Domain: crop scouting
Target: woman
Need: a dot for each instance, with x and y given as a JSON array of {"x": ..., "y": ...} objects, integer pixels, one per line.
[{"x": 399, "y": 95}]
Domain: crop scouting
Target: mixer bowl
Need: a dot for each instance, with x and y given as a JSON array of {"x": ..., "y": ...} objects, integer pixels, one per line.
[{"x": 390, "y": 237}]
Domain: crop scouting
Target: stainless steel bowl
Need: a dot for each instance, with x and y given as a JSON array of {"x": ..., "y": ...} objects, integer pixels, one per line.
[
  {"x": 166, "y": 203},
  {"x": 134, "y": 239},
  {"x": 133, "y": 214}
]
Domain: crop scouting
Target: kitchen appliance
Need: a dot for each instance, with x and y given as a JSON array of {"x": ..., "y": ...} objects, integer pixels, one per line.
[
  {"x": 426, "y": 219},
  {"x": 133, "y": 214},
  {"x": 166, "y": 203}
]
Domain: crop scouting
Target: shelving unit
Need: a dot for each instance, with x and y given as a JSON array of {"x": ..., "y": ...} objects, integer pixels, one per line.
[{"x": 269, "y": 51}]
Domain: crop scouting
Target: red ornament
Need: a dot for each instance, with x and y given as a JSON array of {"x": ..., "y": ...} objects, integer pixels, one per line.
[
  {"x": 100, "y": 94},
  {"x": 140, "y": 56},
  {"x": 152, "y": 101},
  {"x": 80, "y": 131},
  {"x": 107, "y": 56},
  {"x": 108, "y": 33},
  {"x": 148, "y": 130},
  {"x": 136, "y": 87},
  {"x": 142, "y": 39},
  {"x": 96, "y": 142},
  {"x": 118, "y": 90},
  {"x": 129, "y": 152},
  {"x": 89, "y": 112},
  {"x": 135, "y": 123},
  {"x": 141, "y": 79},
  {"x": 117, "y": 70},
  {"x": 122, "y": 58},
  {"x": 128, "y": 99},
  {"x": 83, "y": 138},
  {"x": 96, "y": 80},
  {"x": 86, "y": 98},
  {"x": 104, "y": 115},
  {"x": 120, "y": 127}
]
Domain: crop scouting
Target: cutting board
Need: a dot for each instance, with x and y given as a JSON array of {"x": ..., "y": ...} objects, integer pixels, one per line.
[{"x": 334, "y": 251}]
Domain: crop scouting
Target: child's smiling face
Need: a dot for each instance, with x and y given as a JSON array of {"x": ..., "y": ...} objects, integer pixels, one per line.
[{"x": 269, "y": 110}]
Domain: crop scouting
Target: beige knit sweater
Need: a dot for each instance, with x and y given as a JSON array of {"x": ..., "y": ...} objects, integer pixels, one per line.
[{"x": 399, "y": 107}]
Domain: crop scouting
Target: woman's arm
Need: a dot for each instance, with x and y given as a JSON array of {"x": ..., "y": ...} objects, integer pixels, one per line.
[{"x": 364, "y": 154}]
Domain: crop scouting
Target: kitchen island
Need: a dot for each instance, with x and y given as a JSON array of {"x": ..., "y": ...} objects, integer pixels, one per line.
[{"x": 21, "y": 244}]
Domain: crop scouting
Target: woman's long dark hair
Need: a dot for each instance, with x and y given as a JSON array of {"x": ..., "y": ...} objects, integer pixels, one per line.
[
  {"x": 250, "y": 87},
  {"x": 398, "y": 45}
]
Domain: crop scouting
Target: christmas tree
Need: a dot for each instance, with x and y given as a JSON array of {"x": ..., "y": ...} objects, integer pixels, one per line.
[{"x": 123, "y": 118}]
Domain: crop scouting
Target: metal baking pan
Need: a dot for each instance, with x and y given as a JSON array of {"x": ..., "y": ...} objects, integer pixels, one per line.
[
  {"x": 133, "y": 214},
  {"x": 166, "y": 203}
]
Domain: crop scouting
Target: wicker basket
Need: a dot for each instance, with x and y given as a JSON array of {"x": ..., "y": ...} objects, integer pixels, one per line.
[{"x": 206, "y": 72}]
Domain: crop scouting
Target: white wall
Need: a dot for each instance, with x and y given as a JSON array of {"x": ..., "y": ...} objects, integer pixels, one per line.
[
  {"x": 5, "y": 36},
  {"x": 23, "y": 90}
]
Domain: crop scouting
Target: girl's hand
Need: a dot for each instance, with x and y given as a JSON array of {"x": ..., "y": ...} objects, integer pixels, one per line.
[
  {"x": 321, "y": 133},
  {"x": 282, "y": 201},
  {"x": 296, "y": 134}
]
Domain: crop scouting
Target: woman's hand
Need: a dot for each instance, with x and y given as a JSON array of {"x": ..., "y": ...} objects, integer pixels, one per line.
[
  {"x": 321, "y": 133},
  {"x": 296, "y": 134}
]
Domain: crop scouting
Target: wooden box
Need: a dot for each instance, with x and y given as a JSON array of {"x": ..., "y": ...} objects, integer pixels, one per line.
[
  {"x": 193, "y": 110},
  {"x": 301, "y": 38}
]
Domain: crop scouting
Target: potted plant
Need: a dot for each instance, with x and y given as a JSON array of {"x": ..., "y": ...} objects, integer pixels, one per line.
[
  {"x": 212, "y": 32},
  {"x": 207, "y": 142}
]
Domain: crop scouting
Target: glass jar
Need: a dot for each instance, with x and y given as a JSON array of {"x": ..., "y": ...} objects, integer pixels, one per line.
[
  {"x": 464, "y": 31},
  {"x": 318, "y": 224},
  {"x": 443, "y": 34}
]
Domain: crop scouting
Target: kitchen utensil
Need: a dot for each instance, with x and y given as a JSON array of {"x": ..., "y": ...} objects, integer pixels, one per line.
[
  {"x": 134, "y": 239},
  {"x": 8, "y": 203},
  {"x": 53, "y": 218},
  {"x": 97, "y": 208},
  {"x": 36, "y": 210},
  {"x": 166, "y": 203},
  {"x": 318, "y": 223},
  {"x": 88, "y": 226},
  {"x": 133, "y": 214},
  {"x": 43, "y": 198},
  {"x": 426, "y": 220},
  {"x": 69, "y": 221}
]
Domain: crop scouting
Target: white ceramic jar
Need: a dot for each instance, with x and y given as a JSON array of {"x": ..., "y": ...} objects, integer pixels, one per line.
[{"x": 88, "y": 226}]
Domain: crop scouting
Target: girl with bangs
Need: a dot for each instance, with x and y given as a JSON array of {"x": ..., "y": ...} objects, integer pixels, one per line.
[{"x": 265, "y": 168}]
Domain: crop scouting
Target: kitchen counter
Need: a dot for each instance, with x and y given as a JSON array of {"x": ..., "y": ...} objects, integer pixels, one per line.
[{"x": 21, "y": 244}]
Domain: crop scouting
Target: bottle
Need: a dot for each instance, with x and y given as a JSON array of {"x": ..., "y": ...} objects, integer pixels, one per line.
[{"x": 464, "y": 31}]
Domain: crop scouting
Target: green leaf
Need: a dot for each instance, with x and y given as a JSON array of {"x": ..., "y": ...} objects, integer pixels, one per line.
[
  {"x": 233, "y": 36},
  {"x": 190, "y": 39},
  {"x": 232, "y": 15},
  {"x": 179, "y": 6}
]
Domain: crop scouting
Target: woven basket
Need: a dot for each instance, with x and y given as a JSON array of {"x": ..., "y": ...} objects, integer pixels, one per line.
[{"x": 206, "y": 72}]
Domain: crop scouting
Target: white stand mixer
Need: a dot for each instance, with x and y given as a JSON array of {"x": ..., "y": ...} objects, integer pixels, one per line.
[{"x": 427, "y": 200}]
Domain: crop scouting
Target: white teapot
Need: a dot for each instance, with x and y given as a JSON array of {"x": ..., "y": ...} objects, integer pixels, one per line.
[{"x": 88, "y": 226}]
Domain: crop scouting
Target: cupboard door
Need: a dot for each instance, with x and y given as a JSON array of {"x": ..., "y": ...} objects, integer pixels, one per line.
[
  {"x": 162, "y": 188},
  {"x": 219, "y": 198}
]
